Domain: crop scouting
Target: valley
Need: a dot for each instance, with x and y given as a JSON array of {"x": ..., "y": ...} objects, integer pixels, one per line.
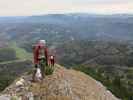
[{"x": 100, "y": 46}]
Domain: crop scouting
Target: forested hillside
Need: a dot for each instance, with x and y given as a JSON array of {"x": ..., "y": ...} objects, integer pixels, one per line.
[
  {"x": 14, "y": 61},
  {"x": 109, "y": 62}
]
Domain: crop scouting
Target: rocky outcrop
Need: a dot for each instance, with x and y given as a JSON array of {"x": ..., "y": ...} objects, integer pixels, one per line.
[{"x": 63, "y": 84}]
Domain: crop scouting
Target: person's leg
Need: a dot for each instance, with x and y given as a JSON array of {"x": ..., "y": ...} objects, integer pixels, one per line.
[
  {"x": 42, "y": 68},
  {"x": 51, "y": 63},
  {"x": 34, "y": 73}
]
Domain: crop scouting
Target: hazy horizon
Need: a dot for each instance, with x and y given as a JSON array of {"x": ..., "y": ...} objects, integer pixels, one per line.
[{"x": 39, "y": 7}]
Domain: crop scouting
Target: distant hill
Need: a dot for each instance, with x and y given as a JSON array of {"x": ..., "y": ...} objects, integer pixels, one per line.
[
  {"x": 60, "y": 27},
  {"x": 95, "y": 52}
]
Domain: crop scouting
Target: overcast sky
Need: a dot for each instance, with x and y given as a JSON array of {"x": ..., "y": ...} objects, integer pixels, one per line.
[{"x": 36, "y": 7}]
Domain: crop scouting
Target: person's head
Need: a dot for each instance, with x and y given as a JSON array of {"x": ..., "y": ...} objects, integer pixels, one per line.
[
  {"x": 51, "y": 57},
  {"x": 42, "y": 42}
]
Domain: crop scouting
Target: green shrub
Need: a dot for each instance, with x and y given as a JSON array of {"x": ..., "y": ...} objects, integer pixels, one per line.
[
  {"x": 7, "y": 54},
  {"x": 48, "y": 70}
]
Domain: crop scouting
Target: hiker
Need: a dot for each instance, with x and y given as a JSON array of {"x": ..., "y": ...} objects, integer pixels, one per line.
[
  {"x": 41, "y": 59},
  {"x": 40, "y": 56},
  {"x": 52, "y": 60}
]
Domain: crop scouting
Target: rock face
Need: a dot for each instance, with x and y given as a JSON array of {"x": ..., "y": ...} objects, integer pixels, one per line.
[{"x": 64, "y": 84}]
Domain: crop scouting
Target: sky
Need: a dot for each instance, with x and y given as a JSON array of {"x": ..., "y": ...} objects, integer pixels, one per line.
[{"x": 38, "y": 7}]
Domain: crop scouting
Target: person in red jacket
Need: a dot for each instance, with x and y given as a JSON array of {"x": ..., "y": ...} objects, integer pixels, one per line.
[
  {"x": 39, "y": 56},
  {"x": 39, "y": 52}
]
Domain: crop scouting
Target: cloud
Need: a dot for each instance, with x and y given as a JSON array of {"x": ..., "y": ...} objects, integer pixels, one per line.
[{"x": 32, "y": 7}]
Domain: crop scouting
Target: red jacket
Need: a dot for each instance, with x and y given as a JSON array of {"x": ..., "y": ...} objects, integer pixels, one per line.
[{"x": 36, "y": 55}]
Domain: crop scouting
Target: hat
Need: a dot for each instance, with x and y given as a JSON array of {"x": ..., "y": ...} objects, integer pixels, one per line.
[{"x": 42, "y": 41}]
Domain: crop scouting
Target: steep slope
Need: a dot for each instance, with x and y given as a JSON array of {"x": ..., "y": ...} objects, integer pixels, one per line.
[
  {"x": 11, "y": 55},
  {"x": 62, "y": 85},
  {"x": 109, "y": 62}
]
